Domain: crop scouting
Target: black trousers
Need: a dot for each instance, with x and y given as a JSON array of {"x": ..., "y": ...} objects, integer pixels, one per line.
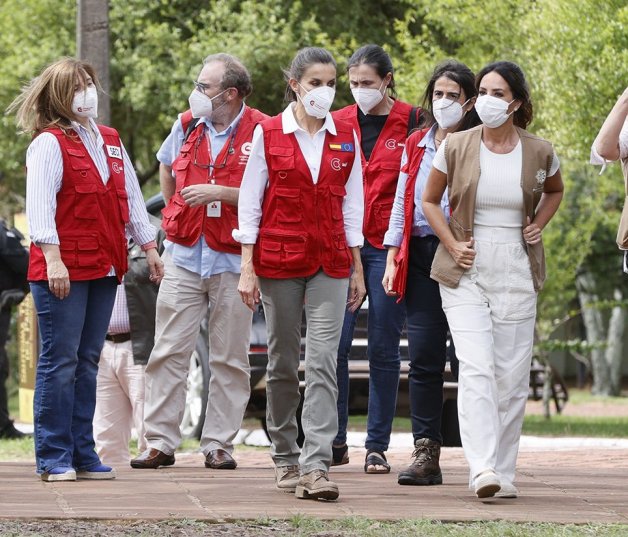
[
  {"x": 427, "y": 341},
  {"x": 5, "y": 321}
]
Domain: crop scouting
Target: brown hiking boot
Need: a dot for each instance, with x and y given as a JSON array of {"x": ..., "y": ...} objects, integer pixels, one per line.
[
  {"x": 315, "y": 485},
  {"x": 425, "y": 469}
]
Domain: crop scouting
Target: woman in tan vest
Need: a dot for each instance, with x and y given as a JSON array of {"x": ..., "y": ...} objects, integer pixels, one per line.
[{"x": 504, "y": 186}]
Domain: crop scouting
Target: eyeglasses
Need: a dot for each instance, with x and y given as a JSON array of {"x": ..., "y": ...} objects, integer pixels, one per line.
[
  {"x": 201, "y": 86},
  {"x": 230, "y": 151}
]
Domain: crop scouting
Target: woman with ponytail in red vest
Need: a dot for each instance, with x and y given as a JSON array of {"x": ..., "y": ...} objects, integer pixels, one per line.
[
  {"x": 382, "y": 123},
  {"x": 300, "y": 216},
  {"x": 82, "y": 198},
  {"x": 411, "y": 242}
]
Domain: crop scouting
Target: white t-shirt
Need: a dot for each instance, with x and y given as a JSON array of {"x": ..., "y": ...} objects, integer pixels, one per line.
[{"x": 499, "y": 198}]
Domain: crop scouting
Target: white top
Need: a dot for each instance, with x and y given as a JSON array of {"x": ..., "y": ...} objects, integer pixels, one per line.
[
  {"x": 44, "y": 164},
  {"x": 499, "y": 197},
  {"x": 623, "y": 148},
  {"x": 255, "y": 180}
]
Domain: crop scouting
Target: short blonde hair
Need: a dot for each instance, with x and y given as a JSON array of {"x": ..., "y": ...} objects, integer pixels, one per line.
[{"x": 46, "y": 101}]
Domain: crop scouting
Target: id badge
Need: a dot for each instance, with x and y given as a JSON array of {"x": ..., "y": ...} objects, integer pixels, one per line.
[{"x": 213, "y": 209}]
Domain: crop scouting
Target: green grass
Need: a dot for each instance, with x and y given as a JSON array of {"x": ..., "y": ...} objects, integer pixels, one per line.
[{"x": 576, "y": 426}]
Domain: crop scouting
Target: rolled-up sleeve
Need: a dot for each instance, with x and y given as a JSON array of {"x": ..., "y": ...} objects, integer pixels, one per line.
[
  {"x": 252, "y": 191},
  {"x": 138, "y": 226},
  {"x": 353, "y": 204},
  {"x": 44, "y": 172},
  {"x": 172, "y": 144},
  {"x": 394, "y": 234}
]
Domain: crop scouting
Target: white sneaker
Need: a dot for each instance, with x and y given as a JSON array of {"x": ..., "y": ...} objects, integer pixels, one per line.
[
  {"x": 508, "y": 490},
  {"x": 487, "y": 484}
]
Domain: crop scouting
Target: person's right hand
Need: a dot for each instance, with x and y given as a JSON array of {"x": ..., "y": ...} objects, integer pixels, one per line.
[
  {"x": 58, "y": 279},
  {"x": 389, "y": 278},
  {"x": 463, "y": 253},
  {"x": 248, "y": 287}
]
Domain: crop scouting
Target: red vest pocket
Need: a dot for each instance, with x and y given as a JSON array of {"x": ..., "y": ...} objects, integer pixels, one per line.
[
  {"x": 281, "y": 158},
  {"x": 288, "y": 205},
  {"x": 283, "y": 250},
  {"x": 86, "y": 204},
  {"x": 337, "y": 197}
]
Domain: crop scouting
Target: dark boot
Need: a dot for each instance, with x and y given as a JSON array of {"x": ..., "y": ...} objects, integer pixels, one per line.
[{"x": 425, "y": 469}]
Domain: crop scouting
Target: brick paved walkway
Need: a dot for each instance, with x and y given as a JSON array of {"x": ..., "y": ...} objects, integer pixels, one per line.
[{"x": 556, "y": 485}]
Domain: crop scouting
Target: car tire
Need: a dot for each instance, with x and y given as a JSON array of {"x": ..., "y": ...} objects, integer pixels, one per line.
[{"x": 197, "y": 390}]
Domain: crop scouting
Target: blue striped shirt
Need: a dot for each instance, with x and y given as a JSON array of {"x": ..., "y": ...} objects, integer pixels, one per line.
[
  {"x": 199, "y": 258},
  {"x": 420, "y": 226}
]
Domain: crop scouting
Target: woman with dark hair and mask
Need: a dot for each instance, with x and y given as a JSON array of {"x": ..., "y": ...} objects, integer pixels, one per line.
[
  {"x": 382, "y": 123},
  {"x": 504, "y": 186},
  {"x": 82, "y": 197},
  {"x": 411, "y": 242},
  {"x": 300, "y": 224}
]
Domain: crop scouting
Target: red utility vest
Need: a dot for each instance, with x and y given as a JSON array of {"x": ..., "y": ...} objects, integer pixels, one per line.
[
  {"x": 411, "y": 168},
  {"x": 90, "y": 216},
  {"x": 184, "y": 224},
  {"x": 382, "y": 170},
  {"x": 302, "y": 224}
]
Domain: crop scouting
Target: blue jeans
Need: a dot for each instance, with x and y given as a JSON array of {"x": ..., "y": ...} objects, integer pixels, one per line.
[
  {"x": 385, "y": 323},
  {"x": 72, "y": 333},
  {"x": 427, "y": 339}
]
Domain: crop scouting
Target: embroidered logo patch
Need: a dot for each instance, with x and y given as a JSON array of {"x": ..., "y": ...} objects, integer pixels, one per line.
[
  {"x": 345, "y": 148},
  {"x": 116, "y": 167},
  {"x": 541, "y": 176},
  {"x": 335, "y": 164}
]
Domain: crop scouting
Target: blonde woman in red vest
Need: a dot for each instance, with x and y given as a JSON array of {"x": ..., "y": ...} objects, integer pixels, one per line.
[
  {"x": 82, "y": 198},
  {"x": 504, "y": 186},
  {"x": 411, "y": 242},
  {"x": 300, "y": 215},
  {"x": 382, "y": 123}
]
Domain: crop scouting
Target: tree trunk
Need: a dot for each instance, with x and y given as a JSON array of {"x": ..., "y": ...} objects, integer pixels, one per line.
[
  {"x": 594, "y": 324},
  {"x": 92, "y": 45},
  {"x": 614, "y": 347}
]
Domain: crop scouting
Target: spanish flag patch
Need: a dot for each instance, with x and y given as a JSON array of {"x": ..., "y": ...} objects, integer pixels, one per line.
[{"x": 345, "y": 148}]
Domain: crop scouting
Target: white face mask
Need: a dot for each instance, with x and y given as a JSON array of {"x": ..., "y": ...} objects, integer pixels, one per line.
[
  {"x": 202, "y": 105},
  {"x": 367, "y": 98},
  {"x": 447, "y": 113},
  {"x": 317, "y": 101},
  {"x": 85, "y": 103},
  {"x": 493, "y": 112}
]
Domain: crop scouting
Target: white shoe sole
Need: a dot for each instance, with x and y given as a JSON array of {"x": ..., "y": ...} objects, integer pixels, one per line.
[
  {"x": 67, "y": 476},
  {"x": 96, "y": 475}
]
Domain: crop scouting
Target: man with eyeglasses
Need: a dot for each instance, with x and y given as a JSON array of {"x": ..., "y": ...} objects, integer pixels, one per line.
[{"x": 201, "y": 166}]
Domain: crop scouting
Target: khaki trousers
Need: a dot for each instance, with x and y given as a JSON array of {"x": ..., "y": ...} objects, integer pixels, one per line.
[
  {"x": 181, "y": 305},
  {"x": 324, "y": 299},
  {"x": 119, "y": 403}
]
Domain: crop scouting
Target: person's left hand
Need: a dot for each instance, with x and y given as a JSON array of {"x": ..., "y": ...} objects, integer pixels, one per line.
[
  {"x": 197, "y": 195},
  {"x": 155, "y": 265},
  {"x": 357, "y": 290},
  {"x": 532, "y": 232}
]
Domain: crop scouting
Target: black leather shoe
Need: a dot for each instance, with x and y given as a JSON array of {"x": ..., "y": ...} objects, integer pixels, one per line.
[
  {"x": 9, "y": 432},
  {"x": 219, "y": 459},
  {"x": 152, "y": 458}
]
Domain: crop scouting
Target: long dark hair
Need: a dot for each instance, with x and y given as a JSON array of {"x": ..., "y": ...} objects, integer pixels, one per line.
[
  {"x": 516, "y": 80},
  {"x": 376, "y": 57},
  {"x": 463, "y": 76},
  {"x": 305, "y": 58}
]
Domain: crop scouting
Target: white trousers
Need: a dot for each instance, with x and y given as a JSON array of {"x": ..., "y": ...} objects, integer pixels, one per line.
[
  {"x": 491, "y": 315},
  {"x": 119, "y": 403},
  {"x": 181, "y": 305}
]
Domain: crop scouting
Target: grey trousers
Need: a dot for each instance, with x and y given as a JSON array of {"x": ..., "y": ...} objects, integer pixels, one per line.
[{"x": 324, "y": 299}]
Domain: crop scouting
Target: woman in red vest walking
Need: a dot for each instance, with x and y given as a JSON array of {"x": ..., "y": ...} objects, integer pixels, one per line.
[
  {"x": 411, "y": 242},
  {"x": 382, "y": 124},
  {"x": 300, "y": 216},
  {"x": 82, "y": 197}
]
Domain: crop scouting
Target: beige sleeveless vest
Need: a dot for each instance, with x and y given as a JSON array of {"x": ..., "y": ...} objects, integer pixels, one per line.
[{"x": 463, "y": 173}]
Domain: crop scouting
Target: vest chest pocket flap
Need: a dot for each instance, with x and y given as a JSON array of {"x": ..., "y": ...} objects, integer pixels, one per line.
[{"x": 281, "y": 158}]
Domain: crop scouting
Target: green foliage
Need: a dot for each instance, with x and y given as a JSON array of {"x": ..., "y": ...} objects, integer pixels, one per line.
[{"x": 574, "y": 60}]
